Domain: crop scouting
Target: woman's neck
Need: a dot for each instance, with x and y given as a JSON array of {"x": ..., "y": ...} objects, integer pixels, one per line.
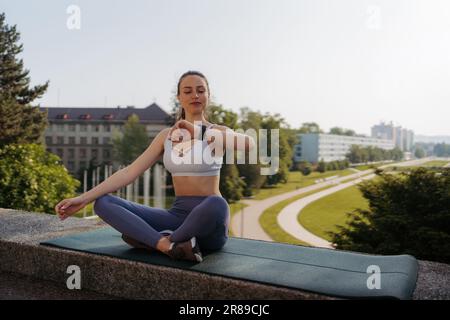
[{"x": 195, "y": 118}]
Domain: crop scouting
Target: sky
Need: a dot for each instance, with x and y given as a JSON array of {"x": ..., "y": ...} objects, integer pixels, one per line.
[{"x": 346, "y": 63}]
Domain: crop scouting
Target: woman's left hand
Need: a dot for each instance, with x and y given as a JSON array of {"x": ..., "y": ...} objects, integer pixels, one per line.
[{"x": 176, "y": 132}]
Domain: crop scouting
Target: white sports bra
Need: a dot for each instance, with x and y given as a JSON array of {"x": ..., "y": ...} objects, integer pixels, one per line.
[{"x": 198, "y": 160}]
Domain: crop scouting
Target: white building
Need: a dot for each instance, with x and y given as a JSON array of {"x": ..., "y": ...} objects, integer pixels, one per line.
[
  {"x": 314, "y": 147},
  {"x": 79, "y": 135}
]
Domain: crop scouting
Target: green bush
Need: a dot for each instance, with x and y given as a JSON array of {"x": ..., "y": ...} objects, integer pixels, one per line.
[
  {"x": 304, "y": 167},
  {"x": 33, "y": 179},
  {"x": 409, "y": 213}
]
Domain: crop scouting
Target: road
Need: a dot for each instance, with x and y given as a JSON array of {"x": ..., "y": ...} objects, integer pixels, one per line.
[{"x": 250, "y": 215}]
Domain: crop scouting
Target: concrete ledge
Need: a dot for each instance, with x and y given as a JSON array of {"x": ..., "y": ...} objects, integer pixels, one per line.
[{"x": 20, "y": 253}]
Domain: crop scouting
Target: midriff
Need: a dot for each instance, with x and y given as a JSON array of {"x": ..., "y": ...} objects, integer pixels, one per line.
[{"x": 196, "y": 185}]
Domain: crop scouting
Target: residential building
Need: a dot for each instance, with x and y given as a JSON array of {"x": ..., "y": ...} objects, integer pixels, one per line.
[
  {"x": 314, "y": 147},
  {"x": 78, "y": 135}
]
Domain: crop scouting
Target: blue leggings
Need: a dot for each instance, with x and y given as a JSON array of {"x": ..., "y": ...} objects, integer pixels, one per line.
[{"x": 205, "y": 217}]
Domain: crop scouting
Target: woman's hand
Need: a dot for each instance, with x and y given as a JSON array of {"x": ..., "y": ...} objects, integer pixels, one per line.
[
  {"x": 68, "y": 207},
  {"x": 177, "y": 134}
]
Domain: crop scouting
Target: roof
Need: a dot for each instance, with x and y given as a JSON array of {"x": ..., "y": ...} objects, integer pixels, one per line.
[{"x": 152, "y": 113}]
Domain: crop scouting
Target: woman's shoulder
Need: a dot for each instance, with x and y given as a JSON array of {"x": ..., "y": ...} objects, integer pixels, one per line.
[
  {"x": 164, "y": 133},
  {"x": 218, "y": 126}
]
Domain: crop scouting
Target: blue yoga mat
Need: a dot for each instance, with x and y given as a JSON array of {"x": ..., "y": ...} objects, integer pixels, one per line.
[{"x": 324, "y": 271}]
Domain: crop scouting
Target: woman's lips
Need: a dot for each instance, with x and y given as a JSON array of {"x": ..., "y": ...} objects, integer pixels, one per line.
[{"x": 195, "y": 103}]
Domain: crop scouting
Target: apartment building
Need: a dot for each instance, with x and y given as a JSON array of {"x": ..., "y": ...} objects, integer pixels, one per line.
[
  {"x": 78, "y": 135},
  {"x": 402, "y": 137},
  {"x": 314, "y": 147}
]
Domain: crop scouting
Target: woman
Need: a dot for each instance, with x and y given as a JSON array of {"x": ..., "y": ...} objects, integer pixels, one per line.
[{"x": 199, "y": 216}]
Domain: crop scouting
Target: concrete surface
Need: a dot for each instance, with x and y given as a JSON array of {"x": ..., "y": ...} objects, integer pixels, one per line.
[{"x": 26, "y": 264}]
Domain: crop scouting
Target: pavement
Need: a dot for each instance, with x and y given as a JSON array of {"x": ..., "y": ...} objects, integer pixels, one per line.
[
  {"x": 249, "y": 216},
  {"x": 245, "y": 223},
  {"x": 14, "y": 286},
  {"x": 287, "y": 218}
]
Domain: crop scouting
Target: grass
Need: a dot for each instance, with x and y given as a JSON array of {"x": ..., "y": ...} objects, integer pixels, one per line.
[
  {"x": 434, "y": 163},
  {"x": 325, "y": 214},
  {"x": 268, "y": 220},
  {"x": 297, "y": 180}
]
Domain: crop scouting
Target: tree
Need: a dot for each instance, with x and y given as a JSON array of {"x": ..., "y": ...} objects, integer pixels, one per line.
[
  {"x": 310, "y": 127},
  {"x": 132, "y": 142},
  {"x": 321, "y": 167},
  {"x": 284, "y": 150},
  {"x": 231, "y": 184},
  {"x": 304, "y": 167},
  {"x": 336, "y": 130},
  {"x": 409, "y": 213},
  {"x": 251, "y": 172},
  {"x": 19, "y": 122},
  {"x": 442, "y": 150},
  {"x": 419, "y": 152},
  {"x": 32, "y": 179}
]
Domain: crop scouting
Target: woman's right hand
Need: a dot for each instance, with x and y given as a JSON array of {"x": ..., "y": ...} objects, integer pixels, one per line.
[{"x": 68, "y": 207}]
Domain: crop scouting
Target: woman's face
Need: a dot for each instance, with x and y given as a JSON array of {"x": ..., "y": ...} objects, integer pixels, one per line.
[{"x": 193, "y": 95}]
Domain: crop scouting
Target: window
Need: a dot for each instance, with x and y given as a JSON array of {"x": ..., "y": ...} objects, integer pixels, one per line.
[
  {"x": 71, "y": 153},
  {"x": 60, "y": 140},
  {"x": 71, "y": 127},
  {"x": 83, "y": 165},
  {"x": 83, "y": 127},
  {"x": 82, "y": 153},
  {"x": 96, "y": 128},
  {"x": 106, "y": 153},
  {"x": 94, "y": 140},
  {"x": 72, "y": 140},
  {"x": 107, "y": 128},
  {"x": 94, "y": 153},
  {"x": 48, "y": 140},
  {"x": 60, "y": 152},
  {"x": 71, "y": 165},
  {"x": 106, "y": 140},
  {"x": 60, "y": 127},
  {"x": 83, "y": 140}
]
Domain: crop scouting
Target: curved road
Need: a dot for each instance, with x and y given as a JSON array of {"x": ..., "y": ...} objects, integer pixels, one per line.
[
  {"x": 288, "y": 217},
  {"x": 249, "y": 216}
]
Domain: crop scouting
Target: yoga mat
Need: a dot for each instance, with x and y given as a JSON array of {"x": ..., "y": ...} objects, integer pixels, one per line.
[{"x": 325, "y": 271}]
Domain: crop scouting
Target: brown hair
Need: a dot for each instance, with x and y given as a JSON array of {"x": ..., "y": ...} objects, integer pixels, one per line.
[{"x": 180, "y": 113}]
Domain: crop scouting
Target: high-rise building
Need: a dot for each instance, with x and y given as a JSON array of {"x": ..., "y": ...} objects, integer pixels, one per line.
[
  {"x": 78, "y": 135},
  {"x": 402, "y": 137}
]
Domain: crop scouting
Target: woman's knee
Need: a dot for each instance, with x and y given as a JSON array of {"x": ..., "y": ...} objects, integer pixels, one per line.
[
  {"x": 213, "y": 242},
  {"x": 219, "y": 206},
  {"x": 102, "y": 203}
]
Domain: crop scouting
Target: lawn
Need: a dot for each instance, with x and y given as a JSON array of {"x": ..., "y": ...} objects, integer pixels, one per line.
[
  {"x": 325, "y": 214},
  {"x": 297, "y": 180},
  {"x": 434, "y": 163},
  {"x": 268, "y": 220}
]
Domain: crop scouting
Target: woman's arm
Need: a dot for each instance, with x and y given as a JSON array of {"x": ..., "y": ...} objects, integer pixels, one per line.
[
  {"x": 128, "y": 174},
  {"x": 227, "y": 134}
]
